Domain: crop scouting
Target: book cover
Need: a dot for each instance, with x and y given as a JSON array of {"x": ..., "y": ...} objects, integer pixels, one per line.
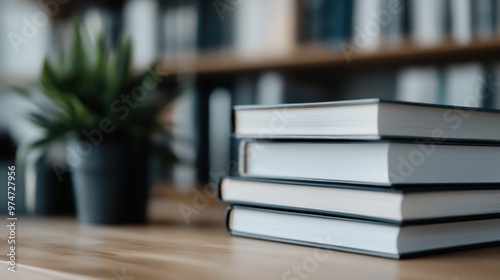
[
  {"x": 349, "y": 249},
  {"x": 399, "y": 189}
]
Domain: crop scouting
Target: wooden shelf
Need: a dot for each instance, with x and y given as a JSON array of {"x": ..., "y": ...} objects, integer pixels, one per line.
[
  {"x": 320, "y": 56},
  {"x": 323, "y": 56}
]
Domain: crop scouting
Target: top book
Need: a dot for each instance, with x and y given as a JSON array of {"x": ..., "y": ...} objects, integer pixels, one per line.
[{"x": 370, "y": 119}]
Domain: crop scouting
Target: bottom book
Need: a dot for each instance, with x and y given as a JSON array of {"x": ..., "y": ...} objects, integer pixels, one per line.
[{"x": 361, "y": 236}]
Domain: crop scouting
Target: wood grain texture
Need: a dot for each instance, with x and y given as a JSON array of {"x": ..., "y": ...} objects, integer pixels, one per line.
[{"x": 169, "y": 248}]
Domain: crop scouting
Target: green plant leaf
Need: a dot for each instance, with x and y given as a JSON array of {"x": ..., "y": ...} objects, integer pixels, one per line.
[
  {"x": 76, "y": 57},
  {"x": 123, "y": 61},
  {"x": 113, "y": 87},
  {"x": 49, "y": 77},
  {"x": 86, "y": 84}
]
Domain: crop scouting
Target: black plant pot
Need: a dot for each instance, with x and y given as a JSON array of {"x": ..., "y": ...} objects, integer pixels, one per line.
[{"x": 111, "y": 183}]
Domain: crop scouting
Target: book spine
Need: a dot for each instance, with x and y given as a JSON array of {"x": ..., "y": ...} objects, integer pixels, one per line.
[
  {"x": 428, "y": 21},
  {"x": 393, "y": 29},
  {"x": 219, "y": 189},
  {"x": 242, "y": 158},
  {"x": 418, "y": 84},
  {"x": 312, "y": 20},
  {"x": 332, "y": 21},
  {"x": 461, "y": 21},
  {"x": 228, "y": 219},
  {"x": 463, "y": 87},
  {"x": 363, "y": 20},
  {"x": 483, "y": 18}
]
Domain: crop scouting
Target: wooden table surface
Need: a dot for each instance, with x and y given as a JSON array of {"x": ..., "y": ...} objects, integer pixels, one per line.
[{"x": 169, "y": 248}]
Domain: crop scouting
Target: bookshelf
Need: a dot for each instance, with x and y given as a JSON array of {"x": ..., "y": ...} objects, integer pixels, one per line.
[
  {"x": 312, "y": 56},
  {"x": 309, "y": 56},
  {"x": 206, "y": 39},
  {"x": 221, "y": 67}
]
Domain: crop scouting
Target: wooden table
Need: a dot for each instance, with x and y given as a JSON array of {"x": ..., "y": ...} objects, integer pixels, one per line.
[{"x": 168, "y": 248}]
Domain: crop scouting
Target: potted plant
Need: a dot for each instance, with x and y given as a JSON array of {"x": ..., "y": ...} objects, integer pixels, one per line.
[{"x": 109, "y": 119}]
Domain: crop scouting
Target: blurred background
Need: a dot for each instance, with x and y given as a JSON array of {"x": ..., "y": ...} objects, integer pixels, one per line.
[{"x": 232, "y": 52}]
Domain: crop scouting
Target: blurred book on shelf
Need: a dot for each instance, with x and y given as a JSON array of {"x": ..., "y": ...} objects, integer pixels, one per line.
[
  {"x": 275, "y": 28},
  {"x": 484, "y": 17},
  {"x": 265, "y": 27},
  {"x": 178, "y": 26},
  {"x": 463, "y": 85},
  {"x": 283, "y": 51},
  {"x": 313, "y": 16},
  {"x": 270, "y": 88},
  {"x": 188, "y": 28},
  {"x": 142, "y": 30},
  {"x": 461, "y": 21},
  {"x": 428, "y": 21},
  {"x": 367, "y": 31},
  {"x": 183, "y": 117},
  {"x": 418, "y": 84},
  {"x": 219, "y": 133}
]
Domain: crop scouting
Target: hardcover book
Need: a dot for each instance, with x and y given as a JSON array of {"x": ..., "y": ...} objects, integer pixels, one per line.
[
  {"x": 361, "y": 236},
  {"x": 406, "y": 205},
  {"x": 371, "y": 162},
  {"x": 367, "y": 119}
]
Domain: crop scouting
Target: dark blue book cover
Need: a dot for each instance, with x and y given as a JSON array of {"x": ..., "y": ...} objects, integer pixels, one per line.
[
  {"x": 312, "y": 20},
  {"x": 337, "y": 20}
]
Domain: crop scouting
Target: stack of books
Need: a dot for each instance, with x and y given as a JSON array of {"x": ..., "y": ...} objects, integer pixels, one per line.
[{"x": 376, "y": 177}]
